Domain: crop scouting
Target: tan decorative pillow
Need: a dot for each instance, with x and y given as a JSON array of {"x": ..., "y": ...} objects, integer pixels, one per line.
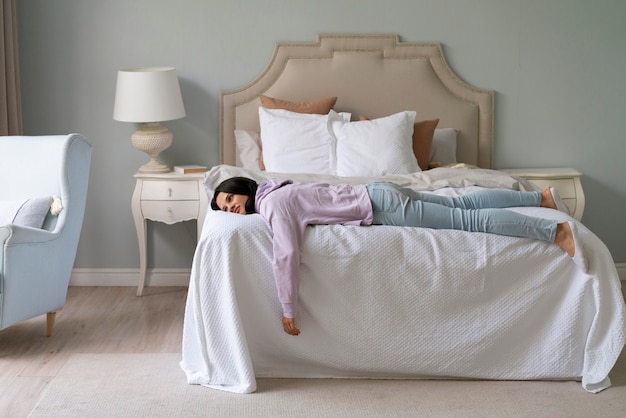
[
  {"x": 319, "y": 106},
  {"x": 422, "y": 140}
]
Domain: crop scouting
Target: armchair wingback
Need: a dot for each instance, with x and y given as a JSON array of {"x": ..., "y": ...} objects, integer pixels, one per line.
[{"x": 36, "y": 263}]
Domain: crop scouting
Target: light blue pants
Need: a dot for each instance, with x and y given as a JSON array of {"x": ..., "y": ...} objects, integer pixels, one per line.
[{"x": 479, "y": 211}]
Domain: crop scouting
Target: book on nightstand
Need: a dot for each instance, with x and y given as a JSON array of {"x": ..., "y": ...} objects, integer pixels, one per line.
[{"x": 189, "y": 169}]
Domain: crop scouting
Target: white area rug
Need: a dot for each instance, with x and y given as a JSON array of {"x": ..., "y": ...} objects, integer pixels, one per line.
[{"x": 153, "y": 385}]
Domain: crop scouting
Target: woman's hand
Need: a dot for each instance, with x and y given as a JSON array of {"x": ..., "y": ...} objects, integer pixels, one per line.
[{"x": 289, "y": 325}]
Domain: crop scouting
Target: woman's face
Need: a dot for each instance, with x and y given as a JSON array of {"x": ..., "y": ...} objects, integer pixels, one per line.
[{"x": 230, "y": 202}]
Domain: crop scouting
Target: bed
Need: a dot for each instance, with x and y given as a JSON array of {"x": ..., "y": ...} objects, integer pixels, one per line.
[{"x": 388, "y": 302}]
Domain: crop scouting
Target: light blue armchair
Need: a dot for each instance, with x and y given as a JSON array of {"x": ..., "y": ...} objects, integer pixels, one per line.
[{"x": 36, "y": 262}]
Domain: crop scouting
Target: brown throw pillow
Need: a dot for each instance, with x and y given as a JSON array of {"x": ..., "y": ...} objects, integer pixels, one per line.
[
  {"x": 422, "y": 140},
  {"x": 319, "y": 106}
]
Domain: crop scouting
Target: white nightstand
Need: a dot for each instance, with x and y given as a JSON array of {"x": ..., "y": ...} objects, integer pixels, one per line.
[
  {"x": 166, "y": 197},
  {"x": 565, "y": 180}
]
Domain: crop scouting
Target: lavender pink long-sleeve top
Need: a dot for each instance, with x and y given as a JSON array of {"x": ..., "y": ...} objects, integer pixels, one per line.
[{"x": 289, "y": 208}]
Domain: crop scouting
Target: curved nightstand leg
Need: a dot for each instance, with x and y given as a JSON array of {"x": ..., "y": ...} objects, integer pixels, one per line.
[
  {"x": 140, "y": 226},
  {"x": 142, "y": 238}
]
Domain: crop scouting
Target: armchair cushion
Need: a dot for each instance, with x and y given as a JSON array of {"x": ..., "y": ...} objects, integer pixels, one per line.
[{"x": 25, "y": 212}]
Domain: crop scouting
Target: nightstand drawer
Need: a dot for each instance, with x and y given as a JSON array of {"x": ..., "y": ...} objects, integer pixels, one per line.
[
  {"x": 170, "y": 212},
  {"x": 565, "y": 187},
  {"x": 169, "y": 190},
  {"x": 565, "y": 180}
]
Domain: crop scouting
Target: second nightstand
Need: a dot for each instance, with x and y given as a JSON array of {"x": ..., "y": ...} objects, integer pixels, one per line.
[
  {"x": 565, "y": 180},
  {"x": 166, "y": 197}
]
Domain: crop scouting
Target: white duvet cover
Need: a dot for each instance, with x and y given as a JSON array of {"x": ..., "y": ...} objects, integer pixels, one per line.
[{"x": 394, "y": 302}]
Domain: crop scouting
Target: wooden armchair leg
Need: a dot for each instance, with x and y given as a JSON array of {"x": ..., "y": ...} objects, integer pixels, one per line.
[{"x": 50, "y": 317}]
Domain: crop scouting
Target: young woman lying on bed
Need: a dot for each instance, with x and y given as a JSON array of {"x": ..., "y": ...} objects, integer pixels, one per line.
[{"x": 289, "y": 207}]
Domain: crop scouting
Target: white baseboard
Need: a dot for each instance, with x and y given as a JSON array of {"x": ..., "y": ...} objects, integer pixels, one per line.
[
  {"x": 166, "y": 277},
  {"x": 129, "y": 277}
]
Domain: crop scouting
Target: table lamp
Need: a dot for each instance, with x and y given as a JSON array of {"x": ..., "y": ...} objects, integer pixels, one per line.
[{"x": 148, "y": 96}]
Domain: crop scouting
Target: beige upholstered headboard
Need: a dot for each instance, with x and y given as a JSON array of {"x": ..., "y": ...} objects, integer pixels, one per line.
[{"x": 373, "y": 76}]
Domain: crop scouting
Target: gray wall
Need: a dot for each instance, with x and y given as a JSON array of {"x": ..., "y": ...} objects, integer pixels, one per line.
[{"x": 557, "y": 67}]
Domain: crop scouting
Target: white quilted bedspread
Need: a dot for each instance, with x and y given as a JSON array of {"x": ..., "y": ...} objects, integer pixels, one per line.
[{"x": 391, "y": 302}]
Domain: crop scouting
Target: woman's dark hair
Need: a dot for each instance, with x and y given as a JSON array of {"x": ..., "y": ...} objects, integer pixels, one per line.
[{"x": 237, "y": 185}]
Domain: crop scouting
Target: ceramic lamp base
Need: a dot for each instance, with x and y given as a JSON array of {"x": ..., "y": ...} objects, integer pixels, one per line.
[{"x": 152, "y": 138}]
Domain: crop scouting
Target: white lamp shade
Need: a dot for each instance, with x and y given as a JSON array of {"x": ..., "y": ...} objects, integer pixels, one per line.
[{"x": 149, "y": 94}]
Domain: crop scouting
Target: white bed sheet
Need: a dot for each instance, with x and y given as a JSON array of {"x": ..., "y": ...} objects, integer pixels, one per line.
[{"x": 391, "y": 302}]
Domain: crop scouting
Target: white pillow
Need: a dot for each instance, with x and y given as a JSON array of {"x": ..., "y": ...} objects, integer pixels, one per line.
[
  {"x": 249, "y": 147},
  {"x": 376, "y": 147},
  {"x": 297, "y": 142},
  {"x": 443, "y": 149},
  {"x": 25, "y": 212}
]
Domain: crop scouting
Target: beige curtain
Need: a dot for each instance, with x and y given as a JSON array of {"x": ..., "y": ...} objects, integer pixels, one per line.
[{"x": 10, "y": 98}]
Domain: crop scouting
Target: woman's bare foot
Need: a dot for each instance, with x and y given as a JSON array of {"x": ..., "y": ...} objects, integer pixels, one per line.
[
  {"x": 547, "y": 200},
  {"x": 565, "y": 238},
  {"x": 550, "y": 199}
]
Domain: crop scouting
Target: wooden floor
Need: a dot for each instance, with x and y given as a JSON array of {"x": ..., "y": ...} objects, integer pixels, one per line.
[{"x": 94, "y": 320}]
